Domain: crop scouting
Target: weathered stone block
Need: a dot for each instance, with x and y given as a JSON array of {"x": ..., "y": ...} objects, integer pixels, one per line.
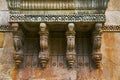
[{"x": 1, "y": 39}]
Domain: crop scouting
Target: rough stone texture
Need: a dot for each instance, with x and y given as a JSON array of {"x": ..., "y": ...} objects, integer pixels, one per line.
[
  {"x": 112, "y": 13},
  {"x": 4, "y": 17},
  {"x": 6, "y": 60},
  {"x": 114, "y": 5},
  {"x": 112, "y": 18},
  {"x": 110, "y": 43},
  {"x": 111, "y": 58},
  {"x": 47, "y": 74},
  {"x": 1, "y": 39},
  {"x": 3, "y": 5},
  {"x": 4, "y": 13},
  {"x": 110, "y": 49}
]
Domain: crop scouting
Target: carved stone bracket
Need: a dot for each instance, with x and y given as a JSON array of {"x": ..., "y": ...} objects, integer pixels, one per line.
[
  {"x": 71, "y": 55},
  {"x": 18, "y": 44},
  {"x": 97, "y": 56},
  {"x": 43, "y": 54}
]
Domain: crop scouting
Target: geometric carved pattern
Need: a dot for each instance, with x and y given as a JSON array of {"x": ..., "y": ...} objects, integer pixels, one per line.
[
  {"x": 5, "y": 28},
  {"x": 104, "y": 28},
  {"x": 111, "y": 28},
  {"x": 57, "y": 18}
]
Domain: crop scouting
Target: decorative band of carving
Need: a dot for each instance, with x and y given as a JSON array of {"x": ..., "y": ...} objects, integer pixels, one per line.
[
  {"x": 106, "y": 28},
  {"x": 111, "y": 28},
  {"x": 57, "y": 18},
  {"x": 56, "y": 4},
  {"x": 6, "y": 28}
]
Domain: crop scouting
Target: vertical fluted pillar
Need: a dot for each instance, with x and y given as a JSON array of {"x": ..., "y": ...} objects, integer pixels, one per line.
[
  {"x": 18, "y": 44},
  {"x": 97, "y": 36},
  {"x": 71, "y": 54},
  {"x": 44, "y": 53}
]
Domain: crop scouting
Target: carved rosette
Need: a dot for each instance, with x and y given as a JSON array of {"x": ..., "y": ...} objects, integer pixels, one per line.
[
  {"x": 97, "y": 55},
  {"x": 43, "y": 54},
  {"x": 70, "y": 55},
  {"x": 18, "y": 44}
]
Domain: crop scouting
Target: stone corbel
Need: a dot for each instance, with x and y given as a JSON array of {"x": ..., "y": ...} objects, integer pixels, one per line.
[
  {"x": 44, "y": 53},
  {"x": 18, "y": 44},
  {"x": 97, "y": 36},
  {"x": 71, "y": 54}
]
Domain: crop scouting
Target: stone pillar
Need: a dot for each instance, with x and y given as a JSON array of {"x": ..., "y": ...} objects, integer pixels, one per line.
[
  {"x": 97, "y": 56},
  {"x": 44, "y": 53},
  {"x": 18, "y": 44},
  {"x": 71, "y": 54}
]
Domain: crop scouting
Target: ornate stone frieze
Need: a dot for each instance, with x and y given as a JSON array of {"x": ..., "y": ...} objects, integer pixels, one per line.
[
  {"x": 97, "y": 55},
  {"x": 44, "y": 53},
  {"x": 18, "y": 44},
  {"x": 57, "y": 18},
  {"x": 104, "y": 28},
  {"x": 71, "y": 54},
  {"x": 6, "y": 28},
  {"x": 111, "y": 28},
  {"x": 57, "y": 4}
]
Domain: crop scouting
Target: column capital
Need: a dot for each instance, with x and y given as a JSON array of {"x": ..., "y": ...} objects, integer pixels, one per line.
[
  {"x": 71, "y": 31},
  {"x": 98, "y": 28},
  {"x": 43, "y": 29}
]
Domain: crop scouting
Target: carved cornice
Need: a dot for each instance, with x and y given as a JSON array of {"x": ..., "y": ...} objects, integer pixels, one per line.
[
  {"x": 57, "y": 18},
  {"x": 111, "y": 28},
  {"x": 6, "y": 28},
  {"x": 57, "y": 4}
]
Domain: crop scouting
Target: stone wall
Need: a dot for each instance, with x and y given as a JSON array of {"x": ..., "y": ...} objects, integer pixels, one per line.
[
  {"x": 110, "y": 43},
  {"x": 111, "y": 58},
  {"x": 6, "y": 50},
  {"x": 6, "y": 59}
]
